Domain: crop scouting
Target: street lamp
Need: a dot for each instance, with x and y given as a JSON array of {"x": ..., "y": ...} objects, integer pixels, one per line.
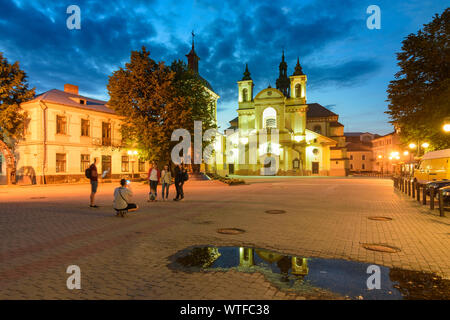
[
  {"x": 446, "y": 127},
  {"x": 412, "y": 146},
  {"x": 425, "y": 145},
  {"x": 133, "y": 154}
]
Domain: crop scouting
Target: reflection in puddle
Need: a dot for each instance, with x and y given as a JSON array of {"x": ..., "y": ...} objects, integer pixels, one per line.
[{"x": 347, "y": 278}]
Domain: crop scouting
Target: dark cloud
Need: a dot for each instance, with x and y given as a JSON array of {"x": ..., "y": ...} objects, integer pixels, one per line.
[{"x": 239, "y": 32}]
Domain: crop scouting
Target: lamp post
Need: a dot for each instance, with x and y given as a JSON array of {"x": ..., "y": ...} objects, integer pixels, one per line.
[{"x": 132, "y": 154}]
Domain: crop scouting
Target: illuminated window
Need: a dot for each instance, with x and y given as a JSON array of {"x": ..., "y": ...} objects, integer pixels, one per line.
[
  {"x": 60, "y": 162},
  {"x": 269, "y": 118},
  {"x": 141, "y": 165},
  {"x": 244, "y": 95},
  {"x": 125, "y": 164},
  {"x": 85, "y": 128},
  {"x": 61, "y": 125},
  {"x": 298, "y": 90},
  {"x": 106, "y": 134},
  {"x": 85, "y": 160}
]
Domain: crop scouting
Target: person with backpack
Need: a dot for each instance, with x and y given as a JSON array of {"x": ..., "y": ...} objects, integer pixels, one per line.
[
  {"x": 166, "y": 181},
  {"x": 122, "y": 197},
  {"x": 153, "y": 178},
  {"x": 92, "y": 174}
]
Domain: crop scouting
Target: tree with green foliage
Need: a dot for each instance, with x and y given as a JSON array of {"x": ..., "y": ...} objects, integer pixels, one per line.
[
  {"x": 419, "y": 97},
  {"x": 13, "y": 91},
  {"x": 154, "y": 100}
]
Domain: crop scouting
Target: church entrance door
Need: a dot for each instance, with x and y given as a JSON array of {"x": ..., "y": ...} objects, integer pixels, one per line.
[{"x": 315, "y": 167}]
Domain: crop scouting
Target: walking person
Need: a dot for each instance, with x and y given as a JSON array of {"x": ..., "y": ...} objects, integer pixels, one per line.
[
  {"x": 181, "y": 176},
  {"x": 178, "y": 181},
  {"x": 122, "y": 197},
  {"x": 166, "y": 181},
  {"x": 92, "y": 174},
  {"x": 153, "y": 178}
]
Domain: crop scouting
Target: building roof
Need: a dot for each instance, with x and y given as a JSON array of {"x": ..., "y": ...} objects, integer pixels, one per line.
[
  {"x": 386, "y": 135},
  {"x": 70, "y": 99},
  {"x": 205, "y": 82},
  {"x": 351, "y": 146},
  {"x": 336, "y": 124},
  {"x": 354, "y": 134},
  {"x": 316, "y": 110}
]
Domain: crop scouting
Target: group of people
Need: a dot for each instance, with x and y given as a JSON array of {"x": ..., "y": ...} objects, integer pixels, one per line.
[
  {"x": 123, "y": 194},
  {"x": 165, "y": 177}
]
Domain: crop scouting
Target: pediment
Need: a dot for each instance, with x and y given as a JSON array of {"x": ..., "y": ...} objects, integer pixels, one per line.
[{"x": 269, "y": 93}]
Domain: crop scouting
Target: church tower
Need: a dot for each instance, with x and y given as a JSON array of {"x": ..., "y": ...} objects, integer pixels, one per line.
[
  {"x": 192, "y": 57},
  {"x": 245, "y": 87},
  {"x": 298, "y": 83},
  {"x": 283, "y": 80}
]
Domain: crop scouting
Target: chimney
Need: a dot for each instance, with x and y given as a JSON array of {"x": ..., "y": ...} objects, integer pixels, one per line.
[{"x": 70, "y": 88}]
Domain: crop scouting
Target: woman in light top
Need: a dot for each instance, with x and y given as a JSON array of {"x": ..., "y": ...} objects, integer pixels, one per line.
[{"x": 166, "y": 181}]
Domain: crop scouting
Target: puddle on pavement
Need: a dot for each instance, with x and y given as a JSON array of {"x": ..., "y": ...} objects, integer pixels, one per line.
[{"x": 297, "y": 274}]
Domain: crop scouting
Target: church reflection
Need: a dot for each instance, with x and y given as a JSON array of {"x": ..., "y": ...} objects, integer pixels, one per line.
[
  {"x": 287, "y": 265},
  {"x": 290, "y": 269},
  {"x": 348, "y": 278}
]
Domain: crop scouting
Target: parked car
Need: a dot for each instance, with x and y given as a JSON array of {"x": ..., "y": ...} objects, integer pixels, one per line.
[
  {"x": 436, "y": 185},
  {"x": 446, "y": 194},
  {"x": 434, "y": 166}
]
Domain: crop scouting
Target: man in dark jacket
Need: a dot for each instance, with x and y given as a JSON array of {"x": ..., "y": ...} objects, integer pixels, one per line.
[{"x": 179, "y": 181}]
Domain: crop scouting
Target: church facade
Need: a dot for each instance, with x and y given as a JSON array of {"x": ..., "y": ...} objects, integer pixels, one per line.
[{"x": 310, "y": 138}]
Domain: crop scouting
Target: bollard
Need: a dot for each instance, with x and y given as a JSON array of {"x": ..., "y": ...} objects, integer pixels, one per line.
[
  {"x": 418, "y": 191},
  {"x": 409, "y": 187},
  {"x": 441, "y": 203},
  {"x": 424, "y": 195},
  {"x": 413, "y": 189},
  {"x": 432, "y": 198}
]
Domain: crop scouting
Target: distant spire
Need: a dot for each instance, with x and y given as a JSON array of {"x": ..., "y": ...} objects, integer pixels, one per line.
[
  {"x": 283, "y": 83},
  {"x": 192, "y": 57},
  {"x": 298, "y": 68},
  {"x": 246, "y": 74}
]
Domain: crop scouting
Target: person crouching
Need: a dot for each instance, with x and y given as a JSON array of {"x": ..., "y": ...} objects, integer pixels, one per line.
[{"x": 122, "y": 197}]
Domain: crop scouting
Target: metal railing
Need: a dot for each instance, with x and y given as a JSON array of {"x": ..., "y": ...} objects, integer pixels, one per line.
[{"x": 420, "y": 192}]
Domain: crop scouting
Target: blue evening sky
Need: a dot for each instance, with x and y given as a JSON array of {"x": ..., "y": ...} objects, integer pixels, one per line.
[{"x": 348, "y": 66}]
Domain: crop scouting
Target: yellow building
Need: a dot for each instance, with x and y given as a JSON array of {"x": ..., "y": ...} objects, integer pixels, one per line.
[
  {"x": 311, "y": 140},
  {"x": 388, "y": 153},
  {"x": 64, "y": 133}
]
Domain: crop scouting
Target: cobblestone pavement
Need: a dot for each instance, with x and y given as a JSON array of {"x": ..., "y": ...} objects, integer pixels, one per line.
[{"x": 44, "y": 229}]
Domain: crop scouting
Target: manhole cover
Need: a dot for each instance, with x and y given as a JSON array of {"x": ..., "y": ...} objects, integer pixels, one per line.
[
  {"x": 380, "y": 218},
  {"x": 275, "y": 211},
  {"x": 380, "y": 247},
  {"x": 38, "y": 197},
  {"x": 230, "y": 231}
]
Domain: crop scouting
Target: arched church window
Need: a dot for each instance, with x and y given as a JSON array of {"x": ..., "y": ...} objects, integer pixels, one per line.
[
  {"x": 269, "y": 118},
  {"x": 318, "y": 129},
  {"x": 244, "y": 95},
  {"x": 298, "y": 90}
]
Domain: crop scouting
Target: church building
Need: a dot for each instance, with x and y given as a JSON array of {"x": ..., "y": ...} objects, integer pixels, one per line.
[{"x": 311, "y": 139}]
